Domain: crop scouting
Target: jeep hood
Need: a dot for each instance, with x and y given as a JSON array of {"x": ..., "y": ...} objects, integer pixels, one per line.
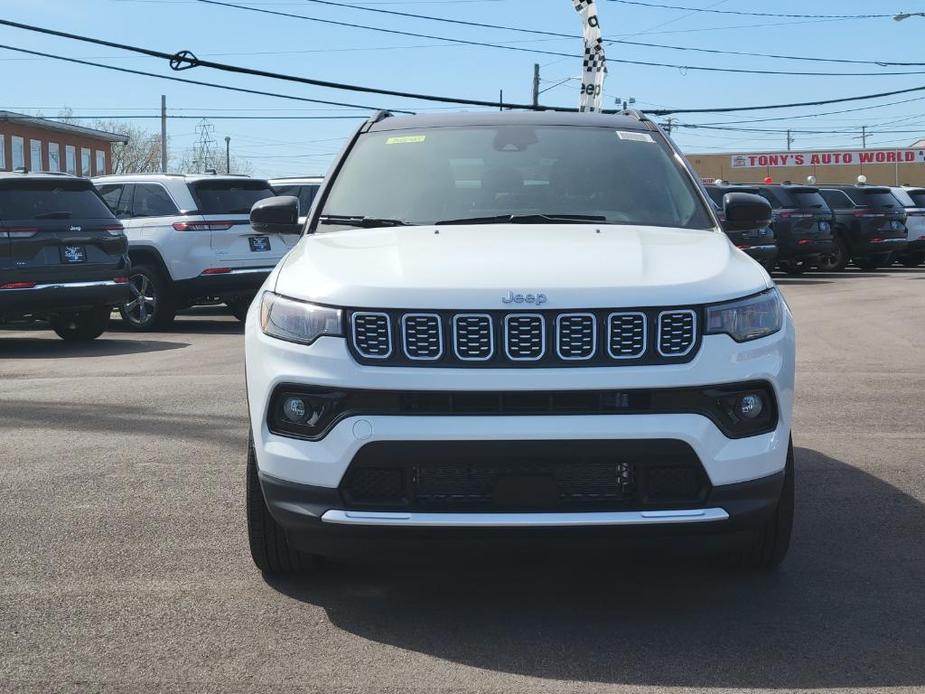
[{"x": 473, "y": 267}]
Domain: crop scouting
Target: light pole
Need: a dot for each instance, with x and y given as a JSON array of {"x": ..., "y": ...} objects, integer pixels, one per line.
[
  {"x": 227, "y": 154},
  {"x": 905, "y": 15}
]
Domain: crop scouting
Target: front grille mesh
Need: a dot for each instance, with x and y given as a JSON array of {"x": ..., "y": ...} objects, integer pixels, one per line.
[
  {"x": 495, "y": 338},
  {"x": 525, "y": 336},
  {"x": 676, "y": 332},
  {"x": 372, "y": 335},
  {"x": 473, "y": 336},
  {"x": 422, "y": 335},
  {"x": 576, "y": 335},
  {"x": 626, "y": 335}
]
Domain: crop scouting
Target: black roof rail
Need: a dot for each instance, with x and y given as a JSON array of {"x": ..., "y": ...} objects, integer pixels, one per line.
[{"x": 375, "y": 118}]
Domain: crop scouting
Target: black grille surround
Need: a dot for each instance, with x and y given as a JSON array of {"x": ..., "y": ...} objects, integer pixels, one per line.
[
  {"x": 524, "y": 339},
  {"x": 523, "y": 476}
]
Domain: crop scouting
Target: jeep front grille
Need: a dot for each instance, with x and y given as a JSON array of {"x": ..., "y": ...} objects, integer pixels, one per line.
[
  {"x": 524, "y": 339},
  {"x": 677, "y": 331}
]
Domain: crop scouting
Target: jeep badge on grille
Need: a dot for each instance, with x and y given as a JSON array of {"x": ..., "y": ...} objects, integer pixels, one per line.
[{"x": 512, "y": 298}]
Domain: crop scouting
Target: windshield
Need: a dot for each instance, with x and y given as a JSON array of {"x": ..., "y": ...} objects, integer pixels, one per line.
[
  {"x": 485, "y": 173},
  {"x": 51, "y": 200},
  {"x": 229, "y": 196}
]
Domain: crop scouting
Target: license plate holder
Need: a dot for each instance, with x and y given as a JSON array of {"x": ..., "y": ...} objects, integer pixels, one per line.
[
  {"x": 73, "y": 254},
  {"x": 259, "y": 244}
]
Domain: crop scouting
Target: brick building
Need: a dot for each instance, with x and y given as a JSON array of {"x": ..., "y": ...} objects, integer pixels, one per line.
[{"x": 39, "y": 144}]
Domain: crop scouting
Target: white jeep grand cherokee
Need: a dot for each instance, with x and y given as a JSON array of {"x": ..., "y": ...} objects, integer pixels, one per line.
[{"x": 516, "y": 326}]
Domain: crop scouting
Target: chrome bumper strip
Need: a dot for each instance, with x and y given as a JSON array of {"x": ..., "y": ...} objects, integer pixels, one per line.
[
  {"x": 69, "y": 285},
  {"x": 521, "y": 520}
]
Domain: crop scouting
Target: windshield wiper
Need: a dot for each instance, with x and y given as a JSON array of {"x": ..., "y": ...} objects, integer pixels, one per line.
[
  {"x": 361, "y": 221},
  {"x": 63, "y": 214},
  {"x": 527, "y": 219}
]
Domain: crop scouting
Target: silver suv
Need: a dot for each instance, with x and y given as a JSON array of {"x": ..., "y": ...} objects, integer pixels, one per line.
[{"x": 190, "y": 242}]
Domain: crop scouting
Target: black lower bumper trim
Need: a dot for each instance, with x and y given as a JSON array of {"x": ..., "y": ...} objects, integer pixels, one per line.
[
  {"x": 299, "y": 508},
  {"x": 228, "y": 284},
  {"x": 61, "y": 299}
]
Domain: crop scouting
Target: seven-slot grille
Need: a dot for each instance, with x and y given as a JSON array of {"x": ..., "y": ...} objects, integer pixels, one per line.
[
  {"x": 677, "y": 332},
  {"x": 422, "y": 336},
  {"x": 495, "y": 338}
]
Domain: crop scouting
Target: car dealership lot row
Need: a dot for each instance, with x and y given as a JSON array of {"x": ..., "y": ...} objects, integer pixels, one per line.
[{"x": 126, "y": 563}]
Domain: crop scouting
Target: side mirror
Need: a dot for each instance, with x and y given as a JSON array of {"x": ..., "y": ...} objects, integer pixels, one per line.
[
  {"x": 279, "y": 215},
  {"x": 745, "y": 211}
]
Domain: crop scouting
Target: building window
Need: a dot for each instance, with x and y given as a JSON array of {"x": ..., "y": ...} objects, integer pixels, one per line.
[
  {"x": 100, "y": 162},
  {"x": 2, "y": 151},
  {"x": 54, "y": 156},
  {"x": 35, "y": 156},
  {"x": 85, "y": 161},
  {"x": 70, "y": 159},
  {"x": 19, "y": 158}
]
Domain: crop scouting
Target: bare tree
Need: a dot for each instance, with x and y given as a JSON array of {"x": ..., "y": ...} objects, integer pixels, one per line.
[{"x": 188, "y": 163}]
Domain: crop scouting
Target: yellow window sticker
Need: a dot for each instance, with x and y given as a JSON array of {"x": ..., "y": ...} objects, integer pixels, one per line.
[{"x": 405, "y": 139}]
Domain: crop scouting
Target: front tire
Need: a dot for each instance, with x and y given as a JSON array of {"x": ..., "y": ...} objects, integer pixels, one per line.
[
  {"x": 867, "y": 264},
  {"x": 270, "y": 549},
  {"x": 772, "y": 538},
  {"x": 150, "y": 307},
  {"x": 794, "y": 268},
  {"x": 82, "y": 326}
]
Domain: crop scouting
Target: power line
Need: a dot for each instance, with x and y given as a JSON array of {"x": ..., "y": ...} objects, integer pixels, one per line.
[
  {"x": 538, "y": 51},
  {"x": 225, "y": 87},
  {"x": 768, "y": 107},
  {"x": 752, "y": 14},
  {"x": 557, "y": 34},
  {"x": 185, "y": 60}
]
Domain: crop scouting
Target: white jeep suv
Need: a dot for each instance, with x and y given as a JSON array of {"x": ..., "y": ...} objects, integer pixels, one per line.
[
  {"x": 516, "y": 326},
  {"x": 190, "y": 242}
]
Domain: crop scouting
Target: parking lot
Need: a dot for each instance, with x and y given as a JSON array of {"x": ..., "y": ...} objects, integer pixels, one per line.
[{"x": 127, "y": 565}]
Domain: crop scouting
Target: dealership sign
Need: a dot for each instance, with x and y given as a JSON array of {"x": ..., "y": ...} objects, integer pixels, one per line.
[{"x": 833, "y": 158}]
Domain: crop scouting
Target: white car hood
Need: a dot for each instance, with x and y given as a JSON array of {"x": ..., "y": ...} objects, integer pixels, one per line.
[{"x": 473, "y": 267}]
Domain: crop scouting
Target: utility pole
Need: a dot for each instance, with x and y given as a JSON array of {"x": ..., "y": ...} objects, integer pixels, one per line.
[
  {"x": 863, "y": 137},
  {"x": 669, "y": 121},
  {"x": 536, "y": 85},
  {"x": 789, "y": 140},
  {"x": 163, "y": 133},
  {"x": 500, "y": 99},
  {"x": 227, "y": 154}
]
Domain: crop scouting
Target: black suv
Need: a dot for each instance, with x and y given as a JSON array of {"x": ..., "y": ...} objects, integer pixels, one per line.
[
  {"x": 63, "y": 256},
  {"x": 870, "y": 225},
  {"x": 757, "y": 243},
  {"x": 802, "y": 225}
]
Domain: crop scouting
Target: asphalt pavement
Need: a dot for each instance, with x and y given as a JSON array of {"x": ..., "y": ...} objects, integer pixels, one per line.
[{"x": 124, "y": 564}]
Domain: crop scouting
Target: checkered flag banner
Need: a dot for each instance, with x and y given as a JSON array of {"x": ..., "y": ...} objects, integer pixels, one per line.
[{"x": 594, "y": 67}]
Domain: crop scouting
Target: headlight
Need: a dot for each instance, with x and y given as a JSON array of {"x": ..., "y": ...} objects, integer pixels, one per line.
[
  {"x": 298, "y": 321},
  {"x": 747, "y": 319}
]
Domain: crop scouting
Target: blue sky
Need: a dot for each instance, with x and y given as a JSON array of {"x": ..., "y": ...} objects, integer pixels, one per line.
[{"x": 360, "y": 56}]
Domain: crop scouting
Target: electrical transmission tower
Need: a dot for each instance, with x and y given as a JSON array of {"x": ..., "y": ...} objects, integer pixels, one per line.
[{"x": 204, "y": 158}]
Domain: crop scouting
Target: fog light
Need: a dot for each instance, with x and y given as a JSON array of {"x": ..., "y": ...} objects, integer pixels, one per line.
[
  {"x": 750, "y": 406},
  {"x": 294, "y": 409}
]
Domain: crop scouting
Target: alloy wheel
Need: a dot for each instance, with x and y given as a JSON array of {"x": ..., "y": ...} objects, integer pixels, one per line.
[{"x": 140, "y": 310}]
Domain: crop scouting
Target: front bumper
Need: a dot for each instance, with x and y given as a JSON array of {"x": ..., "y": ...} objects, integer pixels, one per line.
[
  {"x": 236, "y": 282},
  {"x": 328, "y": 363},
  {"x": 314, "y": 519},
  {"x": 59, "y": 297}
]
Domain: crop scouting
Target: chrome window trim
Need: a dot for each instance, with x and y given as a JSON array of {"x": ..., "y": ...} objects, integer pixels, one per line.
[
  {"x": 353, "y": 333},
  {"x": 507, "y": 341},
  {"x": 593, "y": 336},
  {"x": 491, "y": 336},
  {"x": 658, "y": 336},
  {"x": 645, "y": 334},
  {"x": 404, "y": 335}
]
